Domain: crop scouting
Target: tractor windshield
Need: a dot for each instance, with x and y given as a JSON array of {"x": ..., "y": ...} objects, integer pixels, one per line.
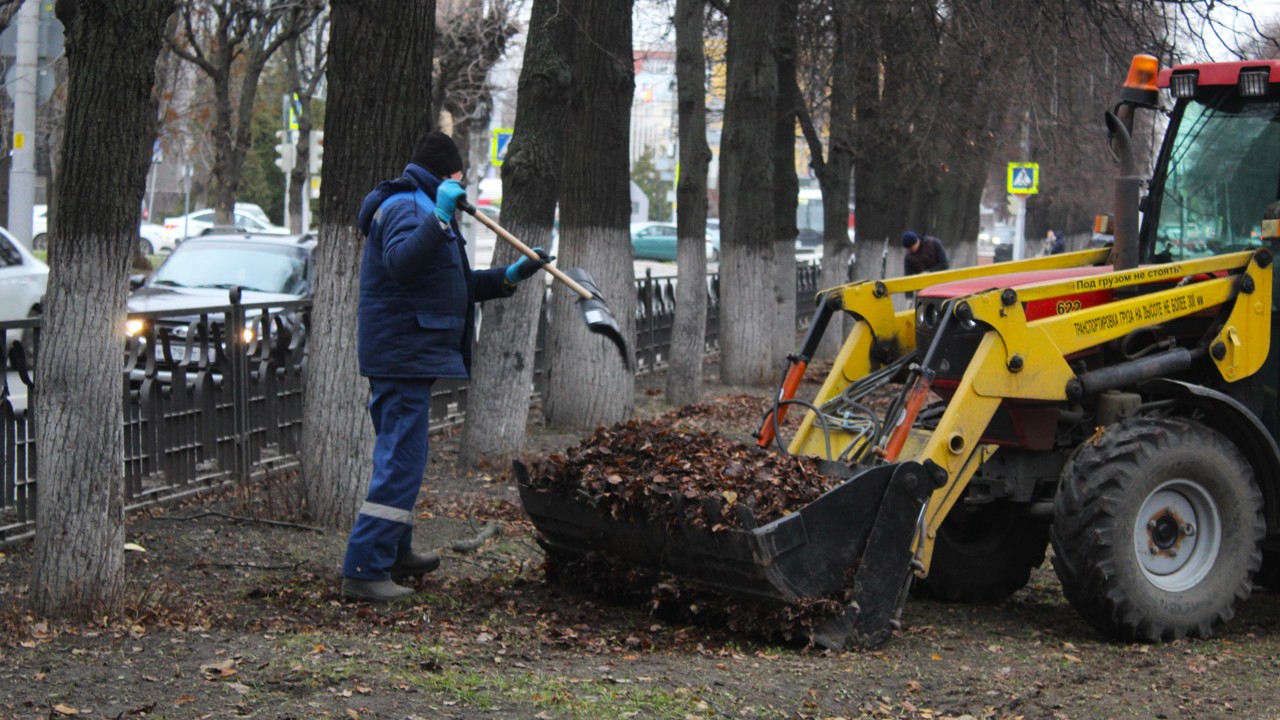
[{"x": 1223, "y": 170}]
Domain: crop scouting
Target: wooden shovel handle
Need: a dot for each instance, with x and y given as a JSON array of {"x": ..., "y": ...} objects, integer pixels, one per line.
[{"x": 514, "y": 242}]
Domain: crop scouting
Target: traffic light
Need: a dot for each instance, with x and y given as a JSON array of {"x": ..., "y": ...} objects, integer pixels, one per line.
[
  {"x": 316, "y": 154},
  {"x": 286, "y": 153}
]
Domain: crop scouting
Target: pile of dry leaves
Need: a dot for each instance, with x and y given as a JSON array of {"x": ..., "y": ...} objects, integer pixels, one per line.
[
  {"x": 663, "y": 471},
  {"x": 654, "y": 470}
]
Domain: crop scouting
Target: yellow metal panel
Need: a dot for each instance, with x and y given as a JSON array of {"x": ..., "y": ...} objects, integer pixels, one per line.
[
  {"x": 1246, "y": 336},
  {"x": 1130, "y": 278},
  {"x": 913, "y": 283},
  {"x": 953, "y": 444},
  {"x": 1093, "y": 326},
  {"x": 1042, "y": 372}
]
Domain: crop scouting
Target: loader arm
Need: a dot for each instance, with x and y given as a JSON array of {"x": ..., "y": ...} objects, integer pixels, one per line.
[{"x": 881, "y": 333}]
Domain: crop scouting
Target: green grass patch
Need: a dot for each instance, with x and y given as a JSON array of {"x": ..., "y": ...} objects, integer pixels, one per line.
[{"x": 561, "y": 697}]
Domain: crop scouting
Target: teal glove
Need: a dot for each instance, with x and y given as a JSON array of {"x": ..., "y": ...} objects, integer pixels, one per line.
[
  {"x": 525, "y": 267},
  {"x": 447, "y": 196}
]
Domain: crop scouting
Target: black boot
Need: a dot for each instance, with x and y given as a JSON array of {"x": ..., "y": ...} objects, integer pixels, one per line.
[{"x": 414, "y": 564}]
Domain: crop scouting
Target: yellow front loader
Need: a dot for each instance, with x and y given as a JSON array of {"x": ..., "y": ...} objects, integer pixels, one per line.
[{"x": 1118, "y": 403}]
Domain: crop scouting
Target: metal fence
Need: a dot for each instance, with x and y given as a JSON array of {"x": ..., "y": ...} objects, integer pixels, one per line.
[{"x": 203, "y": 405}]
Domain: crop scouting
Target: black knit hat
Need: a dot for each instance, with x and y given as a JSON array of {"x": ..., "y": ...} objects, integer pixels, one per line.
[
  {"x": 436, "y": 152},
  {"x": 909, "y": 238}
]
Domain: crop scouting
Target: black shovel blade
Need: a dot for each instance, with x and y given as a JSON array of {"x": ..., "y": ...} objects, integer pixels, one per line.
[{"x": 596, "y": 313}]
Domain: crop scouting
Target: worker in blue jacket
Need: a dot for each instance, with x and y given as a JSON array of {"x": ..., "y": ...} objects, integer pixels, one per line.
[{"x": 416, "y": 324}]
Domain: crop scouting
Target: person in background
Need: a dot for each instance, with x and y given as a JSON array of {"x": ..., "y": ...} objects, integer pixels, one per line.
[
  {"x": 416, "y": 324},
  {"x": 1055, "y": 243},
  {"x": 924, "y": 254}
]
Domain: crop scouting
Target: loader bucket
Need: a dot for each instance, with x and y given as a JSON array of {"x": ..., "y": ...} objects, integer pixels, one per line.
[{"x": 862, "y": 529}]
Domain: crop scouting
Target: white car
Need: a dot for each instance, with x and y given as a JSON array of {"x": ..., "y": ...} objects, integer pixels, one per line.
[
  {"x": 195, "y": 223},
  {"x": 152, "y": 238},
  {"x": 23, "y": 279},
  {"x": 39, "y": 226}
]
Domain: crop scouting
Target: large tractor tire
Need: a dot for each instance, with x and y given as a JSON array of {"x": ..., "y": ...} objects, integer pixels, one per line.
[
  {"x": 983, "y": 553},
  {"x": 1157, "y": 530}
]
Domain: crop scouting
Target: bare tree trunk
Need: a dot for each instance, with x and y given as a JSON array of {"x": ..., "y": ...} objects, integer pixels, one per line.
[
  {"x": 689, "y": 331},
  {"x": 77, "y": 567},
  {"x": 747, "y": 277},
  {"x": 836, "y": 172},
  {"x": 365, "y": 147},
  {"x": 502, "y": 370},
  {"x": 786, "y": 188},
  {"x": 878, "y": 224},
  {"x": 588, "y": 384},
  {"x": 299, "y": 191}
]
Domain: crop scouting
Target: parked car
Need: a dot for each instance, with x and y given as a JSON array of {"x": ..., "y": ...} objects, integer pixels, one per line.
[
  {"x": 23, "y": 279},
  {"x": 657, "y": 241},
  {"x": 39, "y": 226},
  {"x": 199, "y": 272},
  {"x": 152, "y": 238},
  {"x": 252, "y": 210},
  {"x": 195, "y": 223}
]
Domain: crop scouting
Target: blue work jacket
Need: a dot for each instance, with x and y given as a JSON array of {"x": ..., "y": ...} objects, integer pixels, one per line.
[{"x": 417, "y": 290}]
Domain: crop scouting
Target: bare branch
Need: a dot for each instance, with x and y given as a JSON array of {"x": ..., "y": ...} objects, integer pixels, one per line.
[{"x": 8, "y": 8}]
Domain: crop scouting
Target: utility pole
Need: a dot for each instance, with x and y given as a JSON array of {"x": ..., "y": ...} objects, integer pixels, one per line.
[
  {"x": 1020, "y": 227},
  {"x": 22, "y": 88}
]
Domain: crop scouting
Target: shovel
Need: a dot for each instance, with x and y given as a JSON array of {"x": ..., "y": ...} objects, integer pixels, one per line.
[{"x": 595, "y": 311}]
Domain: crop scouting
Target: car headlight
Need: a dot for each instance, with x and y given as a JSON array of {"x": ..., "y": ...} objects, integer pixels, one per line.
[{"x": 133, "y": 326}]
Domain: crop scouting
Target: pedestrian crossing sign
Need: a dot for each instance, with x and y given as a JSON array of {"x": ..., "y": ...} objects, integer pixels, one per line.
[
  {"x": 498, "y": 145},
  {"x": 1024, "y": 178}
]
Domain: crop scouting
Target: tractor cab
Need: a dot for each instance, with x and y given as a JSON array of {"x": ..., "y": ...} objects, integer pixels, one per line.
[{"x": 1219, "y": 166}]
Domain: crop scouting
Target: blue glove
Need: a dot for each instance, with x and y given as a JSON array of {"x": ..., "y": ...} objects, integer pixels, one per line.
[
  {"x": 525, "y": 267},
  {"x": 447, "y": 199}
]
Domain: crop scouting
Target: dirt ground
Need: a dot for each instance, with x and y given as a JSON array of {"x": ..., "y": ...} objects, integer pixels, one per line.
[{"x": 231, "y": 616}]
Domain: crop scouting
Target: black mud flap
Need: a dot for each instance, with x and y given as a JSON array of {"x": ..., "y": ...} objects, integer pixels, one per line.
[{"x": 862, "y": 527}]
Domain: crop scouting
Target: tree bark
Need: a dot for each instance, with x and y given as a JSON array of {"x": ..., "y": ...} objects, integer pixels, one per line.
[
  {"x": 363, "y": 148},
  {"x": 502, "y": 370},
  {"x": 878, "y": 226},
  {"x": 747, "y": 278},
  {"x": 836, "y": 173},
  {"x": 587, "y": 382},
  {"x": 689, "y": 330},
  {"x": 786, "y": 187},
  {"x": 111, "y": 47}
]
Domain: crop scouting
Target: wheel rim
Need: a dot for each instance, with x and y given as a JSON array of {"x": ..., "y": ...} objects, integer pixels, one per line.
[{"x": 1177, "y": 535}]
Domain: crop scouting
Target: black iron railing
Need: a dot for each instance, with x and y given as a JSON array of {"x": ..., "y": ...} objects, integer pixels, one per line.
[{"x": 206, "y": 402}]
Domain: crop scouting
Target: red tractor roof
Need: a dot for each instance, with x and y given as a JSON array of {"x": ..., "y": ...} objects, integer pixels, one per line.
[
  {"x": 1011, "y": 280},
  {"x": 1223, "y": 73}
]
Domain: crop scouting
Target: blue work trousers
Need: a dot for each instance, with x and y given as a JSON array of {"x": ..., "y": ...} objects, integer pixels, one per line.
[{"x": 383, "y": 531}]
